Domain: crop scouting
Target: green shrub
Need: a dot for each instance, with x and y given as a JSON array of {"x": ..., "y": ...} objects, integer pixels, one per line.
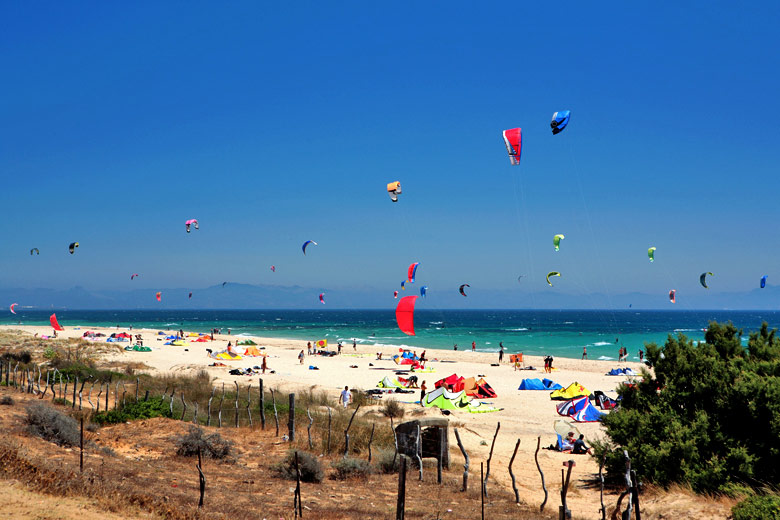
[
  {"x": 758, "y": 507},
  {"x": 707, "y": 416},
  {"x": 212, "y": 445},
  {"x": 52, "y": 425},
  {"x": 309, "y": 465},
  {"x": 349, "y": 467},
  {"x": 154, "y": 407}
]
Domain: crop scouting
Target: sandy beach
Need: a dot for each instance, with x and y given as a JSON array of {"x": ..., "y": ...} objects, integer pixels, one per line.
[{"x": 524, "y": 415}]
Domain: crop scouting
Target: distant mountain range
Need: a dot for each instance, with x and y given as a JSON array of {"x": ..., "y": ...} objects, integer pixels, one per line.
[{"x": 246, "y": 296}]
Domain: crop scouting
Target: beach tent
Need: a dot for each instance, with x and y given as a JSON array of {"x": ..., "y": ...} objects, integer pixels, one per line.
[
  {"x": 226, "y": 355},
  {"x": 570, "y": 392},
  {"x": 387, "y": 382},
  {"x": 580, "y": 410},
  {"x": 446, "y": 400},
  {"x": 246, "y": 342},
  {"x": 252, "y": 351},
  {"x": 539, "y": 384}
]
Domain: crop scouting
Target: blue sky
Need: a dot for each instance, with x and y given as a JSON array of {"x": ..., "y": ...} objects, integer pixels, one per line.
[{"x": 274, "y": 124}]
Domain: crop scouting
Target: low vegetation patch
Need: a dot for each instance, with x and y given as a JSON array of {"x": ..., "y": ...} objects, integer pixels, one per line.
[
  {"x": 154, "y": 407},
  {"x": 758, "y": 507},
  {"x": 52, "y": 425},
  {"x": 393, "y": 409},
  {"x": 211, "y": 445},
  {"x": 308, "y": 464},
  {"x": 387, "y": 461},
  {"x": 349, "y": 467},
  {"x": 7, "y": 400}
]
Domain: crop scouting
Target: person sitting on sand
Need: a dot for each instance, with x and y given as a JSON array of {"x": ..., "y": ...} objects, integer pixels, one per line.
[
  {"x": 568, "y": 442},
  {"x": 300, "y": 357},
  {"x": 230, "y": 349},
  {"x": 379, "y": 356},
  {"x": 579, "y": 447}
]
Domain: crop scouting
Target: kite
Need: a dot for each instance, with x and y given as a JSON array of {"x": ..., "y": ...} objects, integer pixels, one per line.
[
  {"x": 403, "y": 282},
  {"x": 412, "y": 271},
  {"x": 672, "y": 293},
  {"x": 763, "y": 281},
  {"x": 190, "y": 297},
  {"x": 461, "y": 289},
  {"x": 423, "y": 290},
  {"x": 306, "y": 244},
  {"x": 133, "y": 275},
  {"x": 520, "y": 278},
  {"x": 273, "y": 268},
  {"x": 404, "y": 314},
  {"x": 12, "y": 308},
  {"x": 513, "y": 139},
  {"x": 394, "y": 190},
  {"x": 552, "y": 273},
  {"x": 224, "y": 284},
  {"x": 191, "y": 222},
  {"x": 559, "y": 121},
  {"x": 703, "y": 279},
  {"x": 54, "y": 323},
  {"x": 158, "y": 296},
  {"x": 395, "y": 294},
  {"x": 557, "y": 241},
  {"x": 72, "y": 247},
  {"x": 36, "y": 251},
  {"x": 651, "y": 254},
  {"x": 322, "y": 298}
]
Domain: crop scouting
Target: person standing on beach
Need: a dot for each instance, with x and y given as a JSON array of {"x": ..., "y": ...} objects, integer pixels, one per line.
[
  {"x": 264, "y": 365},
  {"x": 354, "y": 345},
  {"x": 585, "y": 352},
  {"x": 346, "y": 397},
  {"x": 473, "y": 346},
  {"x": 500, "y": 351},
  {"x": 423, "y": 388},
  {"x": 641, "y": 355},
  {"x": 339, "y": 347},
  {"x": 300, "y": 357},
  {"x": 308, "y": 347}
]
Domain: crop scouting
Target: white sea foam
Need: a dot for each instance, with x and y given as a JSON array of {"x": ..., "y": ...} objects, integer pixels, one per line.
[
  {"x": 606, "y": 358},
  {"x": 516, "y": 330},
  {"x": 601, "y": 343}
]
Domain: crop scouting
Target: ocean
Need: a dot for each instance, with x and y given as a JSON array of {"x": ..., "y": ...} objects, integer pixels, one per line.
[{"x": 559, "y": 333}]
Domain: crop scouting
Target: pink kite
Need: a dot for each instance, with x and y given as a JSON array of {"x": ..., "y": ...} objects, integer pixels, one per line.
[
  {"x": 191, "y": 222},
  {"x": 395, "y": 294},
  {"x": 12, "y": 308},
  {"x": 412, "y": 271},
  {"x": 513, "y": 139},
  {"x": 404, "y": 314},
  {"x": 322, "y": 298},
  {"x": 54, "y": 324},
  {"x": 158, "y": 296},
  {"x": 273, "y": 268},
  {"x": 132, "y": 276}
]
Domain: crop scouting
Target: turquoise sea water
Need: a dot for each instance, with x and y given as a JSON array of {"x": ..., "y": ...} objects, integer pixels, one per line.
[{"x": 559, "y": 333}]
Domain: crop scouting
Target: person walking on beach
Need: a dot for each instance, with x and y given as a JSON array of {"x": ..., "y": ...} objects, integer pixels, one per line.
[
  {"x": 346, "y": 397},
  {"x": 339, "y": 347},
  {"x": 423, "y": 388},
  {"x": 354, "y": 345},
  {"x": 300, "y": 357},
  {"x": 500, "y": 351},
  {"x": 308, "y": 347},
  {"x": 473, "y": 346},
  {"x": 585, "y": 352},
  {"x": 264, "y": 365}
]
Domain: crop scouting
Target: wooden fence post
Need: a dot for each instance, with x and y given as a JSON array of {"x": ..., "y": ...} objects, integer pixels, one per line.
[
  {"x": 75, "y": 384},
  {"x": 308, "y": 430},
  {"x": 291, "y": 419},
  {"x": 330, "y": 417},
  {"x": 482, "y": 488},
  {"x": 538, "y": 467},
  {"x": 137, "y": 384},
  {"x": 184, "y": 406},
  {"x": 249, "y": 404},
  {"x": 602, "y": 510},
  {"x": 466, "y": 465},
  {"x": 297, "y": 506},
  {"x": 492, "y": 445},
  {"x": 201, "y": 479},
  {"x": 262, "y": 405},
  {"x": 219, "y": 413},
  {"x": 346, "y": 432},
  {"x": 511, "y": 474},
  {"x": 400, "y": 507},
  {"x": 635, "y": 494},
  {"x": 81, "y": 447},
  {"x": 563, "y": 511},
  {"x": 276, "y": 415},
  {"x": 211, "y": 398},
  {"x": 170, "y": 404},
  {"x": 237, "y": 393},
  {"x": 370, "y": 440}
]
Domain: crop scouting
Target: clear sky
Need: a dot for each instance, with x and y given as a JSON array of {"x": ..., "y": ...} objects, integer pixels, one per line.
[{"x": 275, "y": 123}]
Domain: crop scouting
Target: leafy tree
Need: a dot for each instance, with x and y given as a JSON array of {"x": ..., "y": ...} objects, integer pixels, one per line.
[{"x": 708, "y": 415}]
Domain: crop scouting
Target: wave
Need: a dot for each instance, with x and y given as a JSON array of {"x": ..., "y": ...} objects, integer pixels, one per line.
[
  {"x": 516, "y": 330},
  {"x": 601, "y": 343},
  {"x": 436, "y": 323},
  {"x": 606, "y": 358}
]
